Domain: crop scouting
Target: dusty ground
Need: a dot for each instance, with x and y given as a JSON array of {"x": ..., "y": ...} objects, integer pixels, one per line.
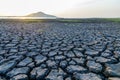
[{"x": 59, "y": 51}]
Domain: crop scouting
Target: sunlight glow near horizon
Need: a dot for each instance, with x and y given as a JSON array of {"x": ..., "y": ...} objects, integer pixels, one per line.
[{"x": 61, "y": 8}]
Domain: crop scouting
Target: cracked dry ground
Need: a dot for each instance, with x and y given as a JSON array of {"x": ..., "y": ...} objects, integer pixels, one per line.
[{"x": 59, "y": 51}]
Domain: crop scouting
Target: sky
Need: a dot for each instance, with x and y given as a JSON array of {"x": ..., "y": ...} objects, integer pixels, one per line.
[{"x": 62, "y": 8}]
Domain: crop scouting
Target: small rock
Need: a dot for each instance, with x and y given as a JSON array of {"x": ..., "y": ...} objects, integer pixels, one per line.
[
  {"x": 79, "y": 49},
  {"x": 113, "y": 78},
  {"x": 75, "y": 68},
  {"x": 20, "y": 77},
  {"x": 112, "y": 70},
  {"x": 93, "y": 66},
  {"x": 25, "y": 62},
  {"x": 13, "y": 50},
  {"x": 65, "y": 49},
  {"x": 38, "y": 73},
  {"x": 87, "y": 76},
  {"x": 72, "y": 62},
  {"x": 40, "y": 59},
  {"x": 106, "y": 54},
  {"x": 92, "y": 53},
  {"x": 56, "y": 75},
  {"x": 51, "y": 64},
  {"x": 70, "y": 54},
  {"x": 46, "y": 50},
  {"x": 52, "y": 53},
  {"x": 5, "y": 67},
  {"x": 31, "y": 65},
  {"x": 60, "y": 57},
  {"x": 117, "y": 54},
  {"x": 10, "y": 45},
  {"x": 16, "y": 58},
  {"x": 63, "y": 64},
  {"x": 60, "y": 53},
  {"x": 31, "y": 54},
  {"x": 105, "y": 60},
  {"x": 80, "y": 61},
  {"x": 90, "y": 58},
  {"x": 2, "y": 52},
  {"x": 15, "y": 71},
  {"x": 78, "y": 53},
  {"x": 68, "y": 78}
]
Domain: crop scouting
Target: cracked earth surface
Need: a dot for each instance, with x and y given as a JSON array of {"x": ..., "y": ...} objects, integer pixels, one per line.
[{"x": 59, "y": 51}]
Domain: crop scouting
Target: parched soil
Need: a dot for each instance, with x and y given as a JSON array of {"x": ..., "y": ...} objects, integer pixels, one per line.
[{"x": 59, "y": 51}]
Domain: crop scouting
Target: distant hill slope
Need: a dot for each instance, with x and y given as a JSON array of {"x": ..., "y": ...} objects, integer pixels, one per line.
[{"x": 39, "y": 14}]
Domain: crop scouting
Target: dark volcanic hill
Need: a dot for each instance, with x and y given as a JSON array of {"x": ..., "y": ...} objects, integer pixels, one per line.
[{"x": 40, "y": 14}]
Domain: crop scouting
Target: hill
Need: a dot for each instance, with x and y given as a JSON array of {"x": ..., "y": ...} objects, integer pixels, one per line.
[{"x": 40, "y": 14}]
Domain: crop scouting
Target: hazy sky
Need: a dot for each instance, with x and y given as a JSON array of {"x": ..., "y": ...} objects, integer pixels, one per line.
[{"x": 62, "y": 8}]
